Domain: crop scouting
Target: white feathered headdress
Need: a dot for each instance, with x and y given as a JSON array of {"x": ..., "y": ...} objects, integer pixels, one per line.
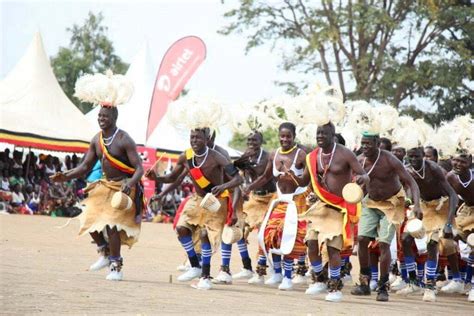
[
  {"x": 245, "y": 119},
  {"x": 454, "y": 136},
  {"x": 409, "y": 133},
  {"x": 306, "y": 134},
  {"x": 327, "y": 104},
  {"x": 193, "y": 112},
  {"x": 104, "y": 89}
]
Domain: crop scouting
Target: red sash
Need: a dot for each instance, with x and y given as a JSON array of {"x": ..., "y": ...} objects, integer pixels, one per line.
[
  {"x": 117, "y": 164},
  {"x": 351, "y": 212}
]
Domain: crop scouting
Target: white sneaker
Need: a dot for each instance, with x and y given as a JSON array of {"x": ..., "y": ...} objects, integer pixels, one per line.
[
  {"x": 409, "y": 289},
  {"x": 101, "y": 263},
  {"x": 316, "y": 288},
  {"x": 373, "y": 285},
  {"x": 440, "y": 284},
  {"x": 244, "y": 274},
  {"x": 335, "y": 296},
  {"x": 391, "y": 278},
  {"x": 222, "y": 278},
  {"x": 286, "y": 284},
  {"x": 274, "y": 279},
  {"x": 398, "y": 284},
  {"x": 115, "y": 273},
  {"x": 114, "y": 276},
  {"x": 453, "y": 287},
  {"x": 189, "y": 275},
  {"x": 300, "y": 279},
  {"x": 203, "y": 284},
  {"x": 308, "y": 273},
  {"x": 429, "y": 295},
  {"x": 256, "y": 279},
  {"x": 467, "y": 288},
  {"x": 183, "y": 267},
  {"x": 470, "y": 298}
]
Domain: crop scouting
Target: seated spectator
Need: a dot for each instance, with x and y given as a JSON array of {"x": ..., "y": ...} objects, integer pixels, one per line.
[
  {"x": 3, "y": 161},
  {"x": 68, "y": 162},
  {"x": 33, "y": 198},
  {"x": 18, "y": 202},
  {"x": 30, "y": 162},
  {"x": 58, "y": 165},
  {"x": 75, "y": 161},
  {"x": 17, "y": 160},
  {"x": 17, "y": 178},
  {"x": 5, "y": 185},
  {"x": 49, "y": 168}
]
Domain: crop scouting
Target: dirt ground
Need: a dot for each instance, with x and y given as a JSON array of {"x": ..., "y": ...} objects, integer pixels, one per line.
[{"x": 43, "y": 269}]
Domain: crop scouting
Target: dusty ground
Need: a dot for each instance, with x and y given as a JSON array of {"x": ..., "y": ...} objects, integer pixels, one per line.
[{"x": 43, "y": 270}]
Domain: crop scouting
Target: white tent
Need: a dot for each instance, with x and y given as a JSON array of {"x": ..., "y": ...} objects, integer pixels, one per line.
[
  {"x": 35, "y": 112},
  {"x": 133, "y": 115}
]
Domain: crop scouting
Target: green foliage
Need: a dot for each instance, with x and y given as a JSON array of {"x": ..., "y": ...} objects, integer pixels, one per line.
[
  {"x": 89, "y": 51},
  {"x": 390, "y": 51}
]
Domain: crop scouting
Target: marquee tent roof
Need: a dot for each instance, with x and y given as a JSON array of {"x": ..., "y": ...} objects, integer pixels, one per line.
[{"x": 35, "y": 112}]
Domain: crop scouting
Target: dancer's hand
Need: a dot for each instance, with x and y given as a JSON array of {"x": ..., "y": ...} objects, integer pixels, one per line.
[
  {"x": 218, "y": 190},
  {"x": 417, "y": 212},
  {"x": 448, "y": 231},
  {"x": 363, "y": 179},
  {"x": 126, "y": 188},
  {"x": 150, "y": 174}
]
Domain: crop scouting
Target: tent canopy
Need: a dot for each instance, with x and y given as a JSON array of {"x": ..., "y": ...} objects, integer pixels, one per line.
[{"x": 35, "y": 112}]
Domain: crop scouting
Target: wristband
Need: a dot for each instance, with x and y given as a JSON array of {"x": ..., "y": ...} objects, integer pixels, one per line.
[
  {"x": 409, "y": 201},
  {"x": 449, "y": 225}
]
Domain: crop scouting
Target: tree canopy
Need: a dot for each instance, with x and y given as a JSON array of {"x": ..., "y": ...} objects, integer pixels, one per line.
[
  {"x": 89, "y": 51},
  {"x": 400, "y": 52}
]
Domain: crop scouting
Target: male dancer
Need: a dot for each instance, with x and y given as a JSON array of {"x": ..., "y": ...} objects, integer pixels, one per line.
[
  {"x": 383, "y": 209},
  {"x": 123, "y": 170},
  {"x": 253, "y": 164},
  {"x": 207, "y": 168},
  {"x": 461, "y": 179},
  {"x": 439, "y": 202},
  {"x": 224, "y": 276},
  {"x": 330, "y": 168}
]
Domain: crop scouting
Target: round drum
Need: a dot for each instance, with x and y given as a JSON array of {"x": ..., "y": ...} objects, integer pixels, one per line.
[
  {"x": 352, "y": 193},
  {"x": 121, "y": 201},
  {"x": 231, "y": 234},
  {"x": 415, "y": 228},
  {"x": 210, "y": 203},
  {"x": 470, "y": 240}
]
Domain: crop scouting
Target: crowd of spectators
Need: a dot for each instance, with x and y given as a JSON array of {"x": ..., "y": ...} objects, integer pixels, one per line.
[{"x": 27, "y": 189}]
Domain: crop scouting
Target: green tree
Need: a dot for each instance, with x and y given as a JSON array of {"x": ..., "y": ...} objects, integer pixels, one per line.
[
  {"x": 394, "y": 51},
  {"x": 89, "y": 51}
]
